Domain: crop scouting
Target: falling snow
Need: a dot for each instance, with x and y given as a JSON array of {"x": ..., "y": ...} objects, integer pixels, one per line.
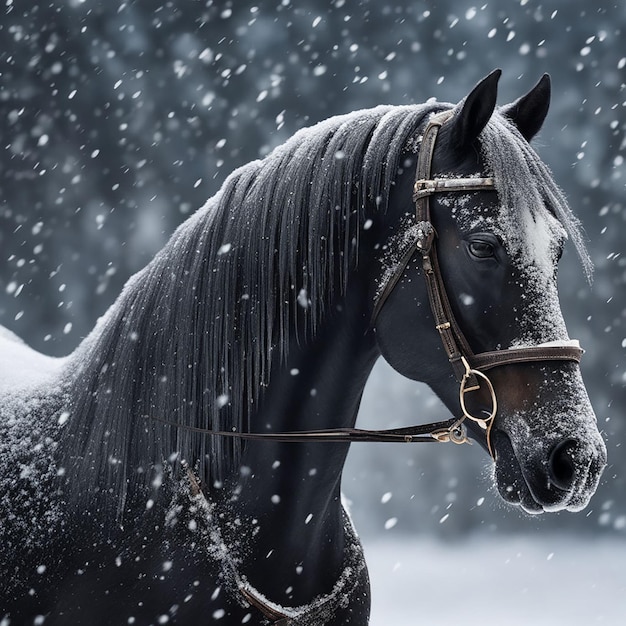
[{"x": 109, "y": 141}]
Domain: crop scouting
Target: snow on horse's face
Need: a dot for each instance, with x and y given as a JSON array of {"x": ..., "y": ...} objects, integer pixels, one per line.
[
  {"x": 503, "y": 271},
  {"x": 498, "y": 254},
  {"x": 548, "y": 453}
]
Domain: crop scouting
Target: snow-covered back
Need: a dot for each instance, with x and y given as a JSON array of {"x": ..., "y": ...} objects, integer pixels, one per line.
[{"x": 23, "y": 369}]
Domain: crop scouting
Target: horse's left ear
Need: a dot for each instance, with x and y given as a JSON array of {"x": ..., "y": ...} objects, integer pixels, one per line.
[{"x": 529, "y": 112}]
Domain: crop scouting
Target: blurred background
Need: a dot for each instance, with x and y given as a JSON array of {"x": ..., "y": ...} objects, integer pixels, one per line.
[{"x": 118, "y": 119}]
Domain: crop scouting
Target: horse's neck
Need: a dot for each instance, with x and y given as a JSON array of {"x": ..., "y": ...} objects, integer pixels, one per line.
[{"x": 290, "y": 492}]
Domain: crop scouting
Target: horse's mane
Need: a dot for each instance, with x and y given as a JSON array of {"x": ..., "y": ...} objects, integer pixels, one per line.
[{"x": 192, "y": 336}]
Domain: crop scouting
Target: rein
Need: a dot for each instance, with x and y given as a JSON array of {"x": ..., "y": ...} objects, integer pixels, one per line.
[
  {"x": 436, "y": 431},
  {"x": 467, "y": 366}
]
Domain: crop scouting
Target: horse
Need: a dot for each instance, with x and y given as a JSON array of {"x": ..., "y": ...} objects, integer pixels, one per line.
[{"x": 183, "y": 464}]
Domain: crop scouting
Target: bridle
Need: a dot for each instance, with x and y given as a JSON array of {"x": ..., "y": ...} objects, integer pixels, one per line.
[{"x": 469, "y": 368}]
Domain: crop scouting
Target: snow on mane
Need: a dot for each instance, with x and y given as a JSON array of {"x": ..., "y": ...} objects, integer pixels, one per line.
[{"x": 273, "y": 231}]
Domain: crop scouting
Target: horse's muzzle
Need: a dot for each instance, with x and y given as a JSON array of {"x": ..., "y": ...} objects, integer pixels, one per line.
[{"x": 562, "y": 475}]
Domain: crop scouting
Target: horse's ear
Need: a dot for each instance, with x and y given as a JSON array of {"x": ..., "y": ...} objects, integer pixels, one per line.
[
  {"x": 529, "y": 112},
  {"x": 474, "y": 111}
]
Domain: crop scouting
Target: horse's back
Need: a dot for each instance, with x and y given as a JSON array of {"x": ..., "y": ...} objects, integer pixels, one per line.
[{"x": 22, "y": 368}]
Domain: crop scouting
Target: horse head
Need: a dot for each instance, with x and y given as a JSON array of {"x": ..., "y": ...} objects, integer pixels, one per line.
[{"x": 498, "y": 242}]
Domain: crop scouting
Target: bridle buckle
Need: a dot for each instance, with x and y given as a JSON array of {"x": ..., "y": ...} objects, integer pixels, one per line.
[
  {"x": 457, "y": 433},
  {"x": 423, "y": 187},
  {"x": 425, "y": 237}
]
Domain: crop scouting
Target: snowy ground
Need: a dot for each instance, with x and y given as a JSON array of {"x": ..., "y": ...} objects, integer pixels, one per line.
[{"x": 506, "y": 582}]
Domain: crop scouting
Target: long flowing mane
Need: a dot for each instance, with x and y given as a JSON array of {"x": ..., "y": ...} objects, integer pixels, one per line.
[{"x": 192, "y": 336}]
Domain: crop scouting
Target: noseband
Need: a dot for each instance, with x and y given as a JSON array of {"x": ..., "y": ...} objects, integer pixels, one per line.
[{"x": 467, "y": 366}]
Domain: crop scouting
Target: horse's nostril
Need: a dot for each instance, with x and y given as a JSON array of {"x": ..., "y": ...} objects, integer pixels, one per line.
[{"x": 561, "y": 464}]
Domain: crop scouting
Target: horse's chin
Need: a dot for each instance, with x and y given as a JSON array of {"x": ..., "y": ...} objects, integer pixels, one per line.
[
  {"x": 530, "y": 488},
  {"x": 509, "y": 478}
]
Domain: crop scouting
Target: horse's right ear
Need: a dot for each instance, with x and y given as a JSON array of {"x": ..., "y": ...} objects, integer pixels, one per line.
[{"x": 474, "y": 111}]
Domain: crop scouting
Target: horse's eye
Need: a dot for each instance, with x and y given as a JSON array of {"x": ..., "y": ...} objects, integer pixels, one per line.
[{"x": 481, "y": 249}]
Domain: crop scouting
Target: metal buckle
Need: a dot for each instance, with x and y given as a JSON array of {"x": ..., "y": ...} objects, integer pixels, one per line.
[
  {"x": 457, "y": 433},
  {"x": 484, "y": 422},
  {"x": 423, "y": 188},
  {"x": 464, "y": 389},
  {"x": 425, "y": 236}
]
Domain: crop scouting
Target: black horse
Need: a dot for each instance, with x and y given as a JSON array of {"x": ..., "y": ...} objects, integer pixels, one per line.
[{"x": 127, "y": 495}]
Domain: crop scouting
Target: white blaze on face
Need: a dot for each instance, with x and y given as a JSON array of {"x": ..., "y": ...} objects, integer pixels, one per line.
[
  {"x": 532, "y": 241},
  {"x": 541, "y": 237},
  {"x": 532, "y": 221}
]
